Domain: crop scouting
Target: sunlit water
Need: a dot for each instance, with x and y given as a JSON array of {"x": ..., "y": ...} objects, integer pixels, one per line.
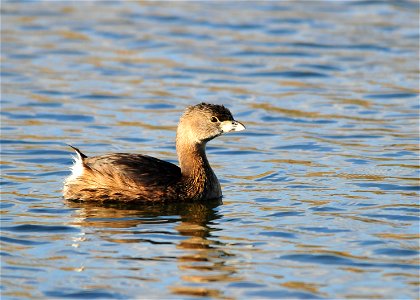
[{"x": 320, "y": 192}]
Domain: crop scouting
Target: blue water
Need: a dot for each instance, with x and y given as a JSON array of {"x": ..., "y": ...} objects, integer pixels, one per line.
[{"x": 320, "y": 192}]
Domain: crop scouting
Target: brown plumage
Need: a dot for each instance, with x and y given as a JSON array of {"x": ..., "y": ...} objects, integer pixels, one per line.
[{"x": 134, "y": 177}]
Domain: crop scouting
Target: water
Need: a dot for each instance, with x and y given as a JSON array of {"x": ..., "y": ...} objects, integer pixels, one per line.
[{"x": 320, "y": 193}]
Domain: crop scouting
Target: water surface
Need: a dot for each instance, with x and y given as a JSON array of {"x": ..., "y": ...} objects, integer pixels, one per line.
[{"x": 320, "y": 193}]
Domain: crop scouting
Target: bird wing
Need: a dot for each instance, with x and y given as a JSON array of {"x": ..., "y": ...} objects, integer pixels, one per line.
[{"x": 137, "y": 169}]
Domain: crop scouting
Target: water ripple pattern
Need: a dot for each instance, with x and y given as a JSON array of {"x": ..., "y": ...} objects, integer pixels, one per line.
[{"x": 320, "y": 192}]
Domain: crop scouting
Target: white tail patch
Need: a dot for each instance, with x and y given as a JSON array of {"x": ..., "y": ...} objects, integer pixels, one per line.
[{"x": 76, "y": 169}]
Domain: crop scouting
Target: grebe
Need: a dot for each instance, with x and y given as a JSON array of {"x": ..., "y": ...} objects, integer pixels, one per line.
[{"x": 127, "y": 177}]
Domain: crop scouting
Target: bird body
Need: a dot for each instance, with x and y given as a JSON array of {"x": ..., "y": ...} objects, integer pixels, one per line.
[{"x": 127, "y": 177}]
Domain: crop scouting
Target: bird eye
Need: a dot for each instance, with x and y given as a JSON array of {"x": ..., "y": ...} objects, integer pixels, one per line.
[{"x": 214, "y": 119}]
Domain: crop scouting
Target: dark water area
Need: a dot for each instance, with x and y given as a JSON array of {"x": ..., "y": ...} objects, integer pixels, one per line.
[{"x": 321, "y": 192}]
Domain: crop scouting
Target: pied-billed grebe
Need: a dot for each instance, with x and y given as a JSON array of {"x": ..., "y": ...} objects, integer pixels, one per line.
[{"x": 134, "y": 177}]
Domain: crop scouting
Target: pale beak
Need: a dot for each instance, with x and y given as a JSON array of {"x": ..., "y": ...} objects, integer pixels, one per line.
[{"x": 228, "y": 126}]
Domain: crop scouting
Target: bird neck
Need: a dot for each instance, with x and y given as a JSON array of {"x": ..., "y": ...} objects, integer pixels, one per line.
[
  {"x": 192, "y": 159},
  {"x": 198, "y": 179}
]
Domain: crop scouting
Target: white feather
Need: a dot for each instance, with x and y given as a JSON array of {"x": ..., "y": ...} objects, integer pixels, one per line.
[{"x": 76, "y": 169}]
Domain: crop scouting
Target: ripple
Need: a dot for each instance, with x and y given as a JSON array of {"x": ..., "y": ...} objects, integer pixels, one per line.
[
  {"x": 326, "y": 208},
  {"x": 319, "y": 259},
  {"x": 320, "y": 67},
  {"x": 158, "y": 106},
  {"x": 29, "y": 142},
  {"x": 289, "y": 74},
  {"x": 53, "y": 174},
  {"x": 190, "y": 35},
  {"x": 281, "y": 31},
  {"x": 176, "y": 76},
  {"x": 99, "y": 97},
  {"x": 393, "y": 217},
  {"x": 283, "y": 214},
  {"x": 273, "y": 53},
  {"x": 236, "y": 152},
  {"x": 352, "y": 136},
  {"x": 24, "y": 269},
  {"x": 275, "y": 177},
  {"x": 53, "y": 211},
  {"x": 66, "y": 52},
  {"x": 324, "y": 229},
  {"x": 357, "y": 161},
  {"x": 389, "y": 187},
  {"x": 60, "y": 161},
  {"x": 327, "y": 259},
  {"x": 391, "y": 96},
  {"x": 23, "y": 56},
  {"x": 21, "y": 241},
  {"x": 365, "y": 47},
  {"x": 113, "y": 35},
  {"x": 304, "y": 186},
  {"x": 54, "y": 93},
  {"x": 161, "y": 18},
  {"x": 296, "y": 120},
  {"x": 6, "y": 205},
  {"x": 47, "y": 116},
  {"x": 28, "y": 199},
  {"x": 395, "y": 252},
  {"x": 133, "y": 139},
  {"x": 9, "y": 74},
  {"x": 310, "y": 146},
  {"x": 399, "y": 154},
  {"x": 223, "y": 81},
  {"x": 201, "y": 71},
  {"x": 279, "y": 234},
  {"x": 83, "y": 294},
  {"x": 281, "y": 294},
  {"x": 145, "y": 44},
  {"x": 39, "y": 228},
  {"x": 32, "y": 152},
  {"x": 50, "y": 104},
  {"x": 370, "y": 243},
  {"x": 406, "y": 209},
  {"x": 7, "y": 183},
  {"x": 246, "y": 285}
]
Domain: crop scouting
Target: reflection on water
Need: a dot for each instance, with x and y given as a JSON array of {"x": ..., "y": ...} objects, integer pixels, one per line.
[
  {"x": 184, "y": 228},
  {"x": 320, "y": 193}
]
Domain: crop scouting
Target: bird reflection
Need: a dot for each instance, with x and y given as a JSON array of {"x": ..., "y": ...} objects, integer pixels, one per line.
[{"x": 202, "y": 260}]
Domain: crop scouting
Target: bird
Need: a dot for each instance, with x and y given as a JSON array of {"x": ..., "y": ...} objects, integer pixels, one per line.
[{"x": 132, "y": 177}]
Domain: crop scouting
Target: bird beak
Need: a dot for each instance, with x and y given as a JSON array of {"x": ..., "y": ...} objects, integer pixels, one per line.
[{"x": 228, "y": 126}]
